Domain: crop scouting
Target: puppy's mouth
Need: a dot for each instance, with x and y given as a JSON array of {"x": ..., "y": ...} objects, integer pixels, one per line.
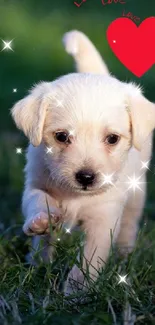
[
  {"x": 85, "y": 188},
  {"x": 91, "y": 190}
]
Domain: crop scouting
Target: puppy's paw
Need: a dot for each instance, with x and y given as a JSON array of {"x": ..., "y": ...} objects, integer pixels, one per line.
[
  {"x": 71, "y": 42},
  {"x": 124, "y": 251},
  {"x": 75, "y": 281},
  {"x": 39, "y": 224}
]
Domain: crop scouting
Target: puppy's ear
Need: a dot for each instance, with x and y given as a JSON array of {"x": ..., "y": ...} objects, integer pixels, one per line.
[
  {"x": 142, "y": 113},
  {"x": 29, "y": 113}
]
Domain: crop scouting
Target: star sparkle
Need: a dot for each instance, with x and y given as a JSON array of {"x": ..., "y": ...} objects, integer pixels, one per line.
[
  {"x": 145, "y": 164},
  {"x": 59, "y": 103},
  {"x": 72, "y": 132},
  {"x": 49, "y": 150},
  {"x": 122, "y": 279},
  {"x": 14, "y": 90},
  {"x": 19, "y": 151},
  {"x": 134, "y": 183},
  {"x": 108, "y": 179},
  {"x": 7, "y": 45},
  {"x": 68, "y": 230}
]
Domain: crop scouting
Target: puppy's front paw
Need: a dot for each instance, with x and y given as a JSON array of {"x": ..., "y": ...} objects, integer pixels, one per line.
[
  {"x": 124, "y": 251},
  {"x": 75, "y": 281},
  {"x": 39, "y": 224}
]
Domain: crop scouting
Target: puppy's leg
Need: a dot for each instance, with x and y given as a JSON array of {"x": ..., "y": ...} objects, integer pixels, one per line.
[
  {"x": 37, "y": 222},
  {"x": 35, "y": 210},
  {"x": 86, "y": 56},
  {"x": 130, "y": 220},
  {"x": 98, "y": 242},
  {"x": 41, "y": 248}
]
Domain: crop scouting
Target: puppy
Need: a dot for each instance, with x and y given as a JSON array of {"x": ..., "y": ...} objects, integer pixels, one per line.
[{"x": 89, "y": 135}]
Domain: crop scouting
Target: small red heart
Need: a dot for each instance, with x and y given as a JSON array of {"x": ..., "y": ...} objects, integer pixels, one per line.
[{"x": 133, "y": 45}]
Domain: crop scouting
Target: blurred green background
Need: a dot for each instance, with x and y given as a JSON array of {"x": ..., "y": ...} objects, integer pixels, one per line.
[{"x": 36, "y": 28}]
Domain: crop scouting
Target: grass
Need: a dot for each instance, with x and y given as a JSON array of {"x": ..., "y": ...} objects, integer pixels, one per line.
[{"x": 34, "y": 295}]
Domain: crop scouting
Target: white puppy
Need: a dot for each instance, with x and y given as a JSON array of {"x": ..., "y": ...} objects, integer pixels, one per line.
[{"x": 89, "y": 135}]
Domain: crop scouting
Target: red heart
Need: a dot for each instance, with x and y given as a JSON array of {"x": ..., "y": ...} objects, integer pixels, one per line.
[{"x": 134, "y": 46}]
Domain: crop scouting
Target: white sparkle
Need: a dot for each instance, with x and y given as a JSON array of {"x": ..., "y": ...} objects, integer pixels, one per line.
[
  {"x": 59, "y": 103},
  {"x": 7, "y": 45},
  {"x": 68, "y": 231},
  {"x": 145, "y": 164},
  {"x": 14, "y": 90},
  {"x": 19, "y": 151},
  {"x": 72, "y": 132},
  {"x": 122, "y": 278},
  {"x": 49, "y": 150},
  {"x": 134, "y": 183},
  {"x": 114, "y": 41},
  {"x": 58, "y": 239},
  {"x": 108, "y": 179}
]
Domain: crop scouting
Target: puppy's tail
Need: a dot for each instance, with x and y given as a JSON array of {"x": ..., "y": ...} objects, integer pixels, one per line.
[{"x": 86, "y": 56}]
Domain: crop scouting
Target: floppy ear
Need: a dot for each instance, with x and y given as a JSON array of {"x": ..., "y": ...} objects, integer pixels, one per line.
[
  {"x": 142, "y": 113},
  {"x": 29, "y": 113}
]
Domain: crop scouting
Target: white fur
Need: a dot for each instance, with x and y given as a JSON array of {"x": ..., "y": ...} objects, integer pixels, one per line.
[{"x": 91, "y": 106}]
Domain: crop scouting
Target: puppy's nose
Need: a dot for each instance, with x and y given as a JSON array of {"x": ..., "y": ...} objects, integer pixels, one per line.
[{"x": 85, "y": 177}]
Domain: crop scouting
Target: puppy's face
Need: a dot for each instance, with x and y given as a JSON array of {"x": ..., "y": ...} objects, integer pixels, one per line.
[{"x": 87, "y": 126}]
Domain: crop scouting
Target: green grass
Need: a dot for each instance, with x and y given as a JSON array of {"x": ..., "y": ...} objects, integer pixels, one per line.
[{"x": 33, "y": 295}]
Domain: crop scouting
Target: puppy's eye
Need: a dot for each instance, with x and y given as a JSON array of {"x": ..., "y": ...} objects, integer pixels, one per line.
[
  {"x": 62, "y": 136},
  {"x": 112, "y": 139}
]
